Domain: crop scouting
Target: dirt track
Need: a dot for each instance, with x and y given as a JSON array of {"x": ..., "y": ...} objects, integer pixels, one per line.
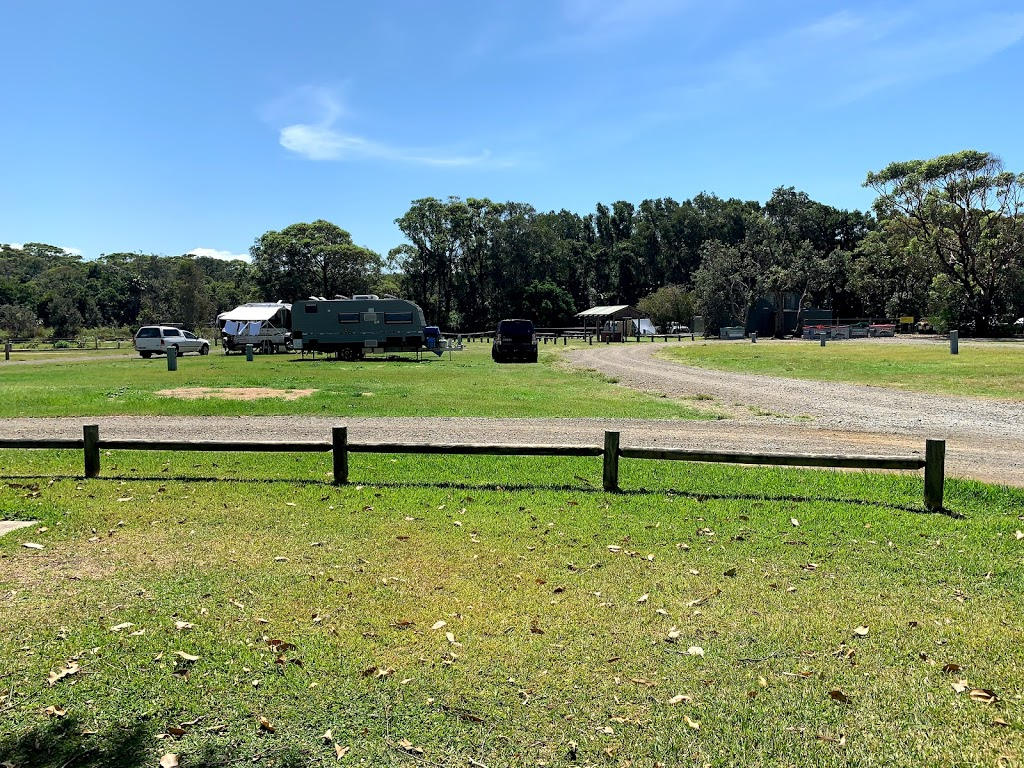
[{"x": 984, "y": 438}]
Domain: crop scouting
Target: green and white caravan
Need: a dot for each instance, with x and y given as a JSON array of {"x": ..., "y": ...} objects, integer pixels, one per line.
[{"x": 366, "y": 324}]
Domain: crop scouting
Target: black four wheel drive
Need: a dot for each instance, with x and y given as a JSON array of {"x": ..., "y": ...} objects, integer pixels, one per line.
[{"x": 514, "y": 340}]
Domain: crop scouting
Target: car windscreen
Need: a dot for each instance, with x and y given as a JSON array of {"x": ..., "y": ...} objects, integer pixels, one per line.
[{"x": 511, "y": 327}]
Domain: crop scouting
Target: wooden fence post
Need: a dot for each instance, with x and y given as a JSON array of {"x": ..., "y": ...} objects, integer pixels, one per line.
[
  {"x": 611, "y": 461},
  {"x": 934, "y": 474},
  {"x": 91, "y": 435},
  {"x": 339, "y": 439}
]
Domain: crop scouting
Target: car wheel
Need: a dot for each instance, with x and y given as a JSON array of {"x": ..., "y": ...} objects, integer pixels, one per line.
[
  {"x": 204, "y": 350},
  {"x": 146, "y": 355},
  {"x": 177, "y": 352}
]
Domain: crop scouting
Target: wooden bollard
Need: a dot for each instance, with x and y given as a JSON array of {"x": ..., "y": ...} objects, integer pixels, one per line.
[
  {"x": 934, "y": 474},
  {"x": 611, "y": 461},
  {"x": 339, "y": 441},
  {"x": 91, "y": 444}
]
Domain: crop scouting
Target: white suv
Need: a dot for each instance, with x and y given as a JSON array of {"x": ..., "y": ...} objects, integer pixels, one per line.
[{"x": 157, "y": 339}]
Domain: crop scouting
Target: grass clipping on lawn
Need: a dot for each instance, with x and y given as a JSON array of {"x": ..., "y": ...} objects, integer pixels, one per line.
[{"x": 297, "y": 623}]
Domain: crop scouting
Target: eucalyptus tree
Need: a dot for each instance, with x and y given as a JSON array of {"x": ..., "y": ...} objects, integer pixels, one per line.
[
  {"x": 315, "y": 259},
  {"x": 966, "y": 212}
]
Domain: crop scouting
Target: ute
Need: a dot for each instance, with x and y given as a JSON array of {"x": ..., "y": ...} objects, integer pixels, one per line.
[{"x": 366, "y": 324}]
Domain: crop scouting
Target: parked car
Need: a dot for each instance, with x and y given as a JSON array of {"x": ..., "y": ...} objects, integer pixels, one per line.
[
  {"x": 514, "y": 340},
  {"x": 152, "y": 340}
]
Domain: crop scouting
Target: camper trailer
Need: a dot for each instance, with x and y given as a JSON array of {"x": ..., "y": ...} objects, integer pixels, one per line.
[
  {"x": 361, "y": 325},
  {"x": 263, "y": 325}
]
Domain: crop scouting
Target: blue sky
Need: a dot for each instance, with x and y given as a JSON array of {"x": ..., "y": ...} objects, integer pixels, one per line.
[{"x": 177, "y": 127}]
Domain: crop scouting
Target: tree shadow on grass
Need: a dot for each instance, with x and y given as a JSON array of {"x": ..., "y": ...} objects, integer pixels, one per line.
[{"x": 60, "y": 743}]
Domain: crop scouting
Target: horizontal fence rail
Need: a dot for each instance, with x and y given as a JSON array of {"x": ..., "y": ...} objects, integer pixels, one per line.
[{"x": 91, "y": 444}]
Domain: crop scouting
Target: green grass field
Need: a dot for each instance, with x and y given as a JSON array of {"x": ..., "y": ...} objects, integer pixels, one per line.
[
  {"x": 707, "y": 615},
  {"x": 468, "y": 384},
  {"x": 980, "y": 369}
]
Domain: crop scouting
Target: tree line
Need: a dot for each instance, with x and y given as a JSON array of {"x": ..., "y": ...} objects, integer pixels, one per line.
[{"x": 945, "y": 239}]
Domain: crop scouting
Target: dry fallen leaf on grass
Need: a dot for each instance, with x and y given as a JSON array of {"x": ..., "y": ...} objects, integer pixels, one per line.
[
  {"x": 32, "y": 545},
  {"x": 341, "y": 751},
  {"x": 680, "y": 698},
  {"x": 695, "y": 650},
  {"x": 960, "y": 686},
  {"x": 53, "y": 711},
  {"x": 861, "y": 631},
  {"x": 186, "y": 656},
  {"x": 673, "y": 635},
  {"x": 643, "y": 598},
  {"x": 182, "y": 625},
  {"x": 70, "y": 669},
  {"x": 408, "y": 747},
  {"x": 1018, "y": 535},
  {"x": 694, "y": 724},
  {"x": 440, "y": 624},
  {"x": 794, "y": 522},
  {"x": 983, "y": 696},
  {"x": 119, "y": 627},
  {"x": 840, "y": 697},
  {"x": 170, "y": 760},
  {"x": 948, "y": 668},
  {"x": 265, "y": 725}
]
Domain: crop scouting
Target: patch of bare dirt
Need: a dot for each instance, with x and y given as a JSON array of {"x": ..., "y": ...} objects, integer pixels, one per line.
[{"x": 235, "y": 393}]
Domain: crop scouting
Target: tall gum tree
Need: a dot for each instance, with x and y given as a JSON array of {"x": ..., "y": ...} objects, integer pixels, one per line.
[{"x": 964, "y": 210}]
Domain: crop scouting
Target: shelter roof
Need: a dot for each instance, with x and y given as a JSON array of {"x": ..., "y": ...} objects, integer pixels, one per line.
[{"x": 617, "y": 311}]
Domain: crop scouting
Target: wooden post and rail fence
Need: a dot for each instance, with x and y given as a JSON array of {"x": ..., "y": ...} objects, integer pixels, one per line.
[{"x": 339, "y": 446}]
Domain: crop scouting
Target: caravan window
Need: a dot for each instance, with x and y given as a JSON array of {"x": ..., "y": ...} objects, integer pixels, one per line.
[
  {"x": 348, "y": 317},
  {"x": 311, "y": 309},
  {"x": 398, "y": 317}
]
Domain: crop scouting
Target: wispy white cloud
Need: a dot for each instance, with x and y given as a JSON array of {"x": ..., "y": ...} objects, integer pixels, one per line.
[
  {"x": 855, "y": 54},
  {"x": 320, "y": 139},
  {"x": 213, "y": 253},
  {"x": 593, "y": 22}
]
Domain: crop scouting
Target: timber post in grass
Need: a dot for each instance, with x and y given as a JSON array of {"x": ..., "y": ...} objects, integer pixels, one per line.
[
  {"x": 91, "y": 443},
  {"x": 7, "y": 350},
  {"x": 172, "y": 359},
  {"x": 611, "y": 461},
  {"x": 954, "y": 342},
  {"x": 339, "y": 440},
  {"x": 248, "y": 352},
  {"x": 934, "y": 474}
]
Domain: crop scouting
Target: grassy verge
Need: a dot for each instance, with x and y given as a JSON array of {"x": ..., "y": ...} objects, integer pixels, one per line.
[
  {"x": 834, "y": 621},
  {"x": 980, "y": 369},
  {"x": 468, "y": 384}
]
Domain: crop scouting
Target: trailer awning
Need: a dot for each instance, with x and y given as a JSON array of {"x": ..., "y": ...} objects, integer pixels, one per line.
[{"x": 250, "y": 314}]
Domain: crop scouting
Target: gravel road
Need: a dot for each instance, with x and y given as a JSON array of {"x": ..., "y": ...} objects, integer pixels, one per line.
[{"x": 984, "y": 438}]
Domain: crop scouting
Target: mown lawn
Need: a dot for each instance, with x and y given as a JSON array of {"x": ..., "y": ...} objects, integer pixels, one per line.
[
  {"x": 467, "y": 384},
  {"x": 705, "y": 616},
  {"x": 984, "y": 369}
]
